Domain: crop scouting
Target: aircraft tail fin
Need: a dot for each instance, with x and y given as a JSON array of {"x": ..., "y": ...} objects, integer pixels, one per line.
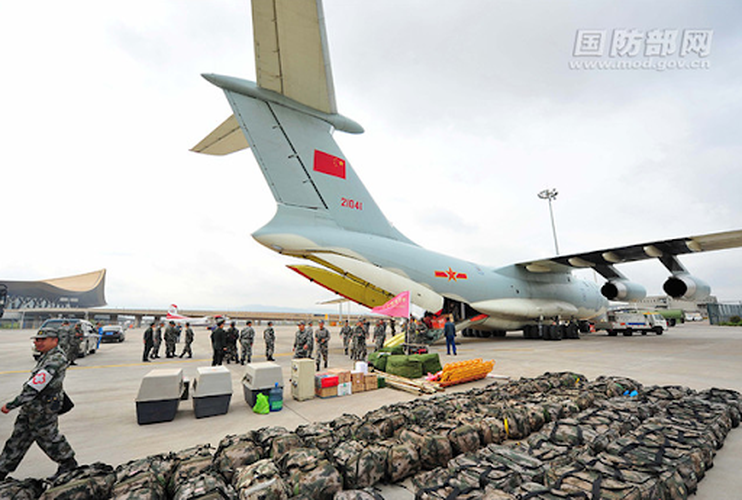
[{"x": 301, "y": 162}]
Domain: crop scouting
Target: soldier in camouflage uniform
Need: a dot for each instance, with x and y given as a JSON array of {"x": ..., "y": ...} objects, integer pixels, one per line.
[
  {"x": 233, "y": 335},
  {"x": 65, "y": 338},
  {"x": 188, "y": 341},
  {"x": 269, "y": 336},
  {"x": 303, "y": 342},
  {"x": 322, "y": 337},
  {"x": 359, "y": 341},
  {"x": 379, "y": 334},
  {"x": 158, "y": 342},
  {"x": 171, "y": 335},
  {"x": 76, "y": 337},
  {"x": 247, "y": 337},
  {"x": 40, "y": 401},
  {"x": 346, "y": 332}
]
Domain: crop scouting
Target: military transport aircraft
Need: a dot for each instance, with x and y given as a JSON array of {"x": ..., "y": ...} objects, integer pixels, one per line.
[{"x": 326, "y": 216}]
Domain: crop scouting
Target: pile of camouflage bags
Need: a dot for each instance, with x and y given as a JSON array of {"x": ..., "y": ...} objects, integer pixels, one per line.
[{"x": 557, "y": 436}]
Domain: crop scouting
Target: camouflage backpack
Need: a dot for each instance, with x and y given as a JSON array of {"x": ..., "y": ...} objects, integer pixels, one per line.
[
  {"x": 233, "y": 452},
  {"x": 209, "y": 485},
  {"x": 87, "y": 481},
  {"x": 322, "y": 481},
  {"x": 260, "y": 481},
  {"x": 361, "y": 465},
  {"x": 27, "y": 489}
]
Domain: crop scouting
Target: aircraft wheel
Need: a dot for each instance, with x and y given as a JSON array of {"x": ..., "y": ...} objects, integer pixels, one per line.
[{"x": 557, "y": 333}]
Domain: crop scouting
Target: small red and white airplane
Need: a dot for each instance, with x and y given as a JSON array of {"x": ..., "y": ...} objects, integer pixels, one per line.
[{"x": 174, "y": 315}]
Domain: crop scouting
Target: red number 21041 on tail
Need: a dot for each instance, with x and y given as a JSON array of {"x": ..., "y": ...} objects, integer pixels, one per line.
[{"x": 347, "y": 203}]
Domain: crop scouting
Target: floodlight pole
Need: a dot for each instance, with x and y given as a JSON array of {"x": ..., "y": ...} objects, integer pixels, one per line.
[{"x": 551, "y": 194}]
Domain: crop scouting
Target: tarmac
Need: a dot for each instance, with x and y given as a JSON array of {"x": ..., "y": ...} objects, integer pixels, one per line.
[{"x": 103, "y": 425}]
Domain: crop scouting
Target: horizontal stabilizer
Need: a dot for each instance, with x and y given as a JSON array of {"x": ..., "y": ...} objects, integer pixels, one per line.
[
  {"x": 226, "y": 138},
  {"x": 358, "y": 291}
]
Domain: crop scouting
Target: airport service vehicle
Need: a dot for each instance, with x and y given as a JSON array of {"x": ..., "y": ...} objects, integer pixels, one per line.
[
  {"x": 693, "y": 316},
  {"x": 89, "y": 341},
  {"x": 628, "y": 322},
  {"x": 289, "y": 119},
  {"x": 672, "y": 316},
  {"x": 112, "y": 333}
]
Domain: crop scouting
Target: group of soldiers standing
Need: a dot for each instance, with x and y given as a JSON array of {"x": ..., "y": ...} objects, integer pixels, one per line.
[
  {"x": 305, "y": 339},
  {"x": 354, "y": 339},
  {"x": 153, "y": 338},
  {"x": 224, "y": 343}
]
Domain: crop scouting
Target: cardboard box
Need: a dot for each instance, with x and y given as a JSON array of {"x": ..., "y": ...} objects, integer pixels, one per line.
[
  {"x": 357, "y": 387},
  {"x": 356, "y": 377},
  {"x": 342, "y": 375},
  {"x": 370, "y": 383},
  {"x": 345, "y": 389},
  {"x": 326, "y": 392}
]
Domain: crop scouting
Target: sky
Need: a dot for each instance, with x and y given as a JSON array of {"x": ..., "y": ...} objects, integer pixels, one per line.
[{"x": 470, "y": 109}]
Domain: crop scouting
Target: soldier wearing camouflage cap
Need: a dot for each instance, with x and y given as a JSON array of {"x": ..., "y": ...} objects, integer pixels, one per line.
[
  {"x": 40, "y": 402},
  {"x": 303, "y": 342}
]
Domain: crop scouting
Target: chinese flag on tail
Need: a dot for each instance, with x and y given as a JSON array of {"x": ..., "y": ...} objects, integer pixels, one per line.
[
  {"x": 398, "y": 307},
  {"x": 328, "y": 164}
]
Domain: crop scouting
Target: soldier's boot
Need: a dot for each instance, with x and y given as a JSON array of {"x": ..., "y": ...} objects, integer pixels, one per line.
[
  {"x": 67, "y": 466},
  {"x": 249, "y": 359}
]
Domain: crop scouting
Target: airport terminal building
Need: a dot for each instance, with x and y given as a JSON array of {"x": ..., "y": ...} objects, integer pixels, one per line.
[{"x": 80, "y": 291}]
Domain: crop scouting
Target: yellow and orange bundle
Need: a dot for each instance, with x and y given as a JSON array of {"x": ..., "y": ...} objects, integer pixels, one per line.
[{"x": 465, "y": 371}]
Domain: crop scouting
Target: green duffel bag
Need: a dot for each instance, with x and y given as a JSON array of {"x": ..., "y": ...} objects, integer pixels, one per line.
[
  {"x": 397, "y": 349},
  {"x": 403, "y": 366},
  {"x": 378, "y": 360},
  {"x": 431, "y": 362}
]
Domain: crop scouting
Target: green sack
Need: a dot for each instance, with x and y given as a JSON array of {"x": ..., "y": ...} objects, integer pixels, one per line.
[
  {"x": 403, "y": 366},
  {"x": 261, "y": 404},
  {"x": 431, "y": 362}
]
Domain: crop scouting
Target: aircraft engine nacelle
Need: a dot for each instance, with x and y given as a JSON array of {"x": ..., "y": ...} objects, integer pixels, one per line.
[
  {"x": 687, "y": 287},
  {"x": 623, "y": 290}
]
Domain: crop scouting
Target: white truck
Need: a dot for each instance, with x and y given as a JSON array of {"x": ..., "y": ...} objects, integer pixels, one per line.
[{"x": 628, "y": 322}]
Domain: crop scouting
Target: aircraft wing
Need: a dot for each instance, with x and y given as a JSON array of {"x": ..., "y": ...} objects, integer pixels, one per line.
[
  {"x": 665, "y": 250},
  {"x": 291, "y": 59}
]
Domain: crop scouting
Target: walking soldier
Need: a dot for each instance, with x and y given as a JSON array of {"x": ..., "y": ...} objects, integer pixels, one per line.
[
  {"x": 40, "y": 402},
  {"x": 322, "y": 336}
]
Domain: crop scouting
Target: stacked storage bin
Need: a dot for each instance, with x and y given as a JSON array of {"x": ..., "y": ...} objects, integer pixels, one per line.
[
  {"x": 212, "y": 391},
  {"x": 159, "y": 396},
  {"x": 260, "y": 378}
]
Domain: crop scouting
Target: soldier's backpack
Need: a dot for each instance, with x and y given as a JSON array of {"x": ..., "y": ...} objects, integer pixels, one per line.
[
  {"x": 87, "y": 481},
  {"x": 145, "y": 478},
  {"x": 28, "y": 489},
  {"x": 260, "y": 481},
  {"x": 209, "y": 485},
  {"x": 361, "y": 465},
  {"x": 321, "y": 481},
  {"x": 234, "y": 452}
]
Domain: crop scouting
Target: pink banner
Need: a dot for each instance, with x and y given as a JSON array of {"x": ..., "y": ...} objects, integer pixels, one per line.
[{"x": 398, "y": 307}]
